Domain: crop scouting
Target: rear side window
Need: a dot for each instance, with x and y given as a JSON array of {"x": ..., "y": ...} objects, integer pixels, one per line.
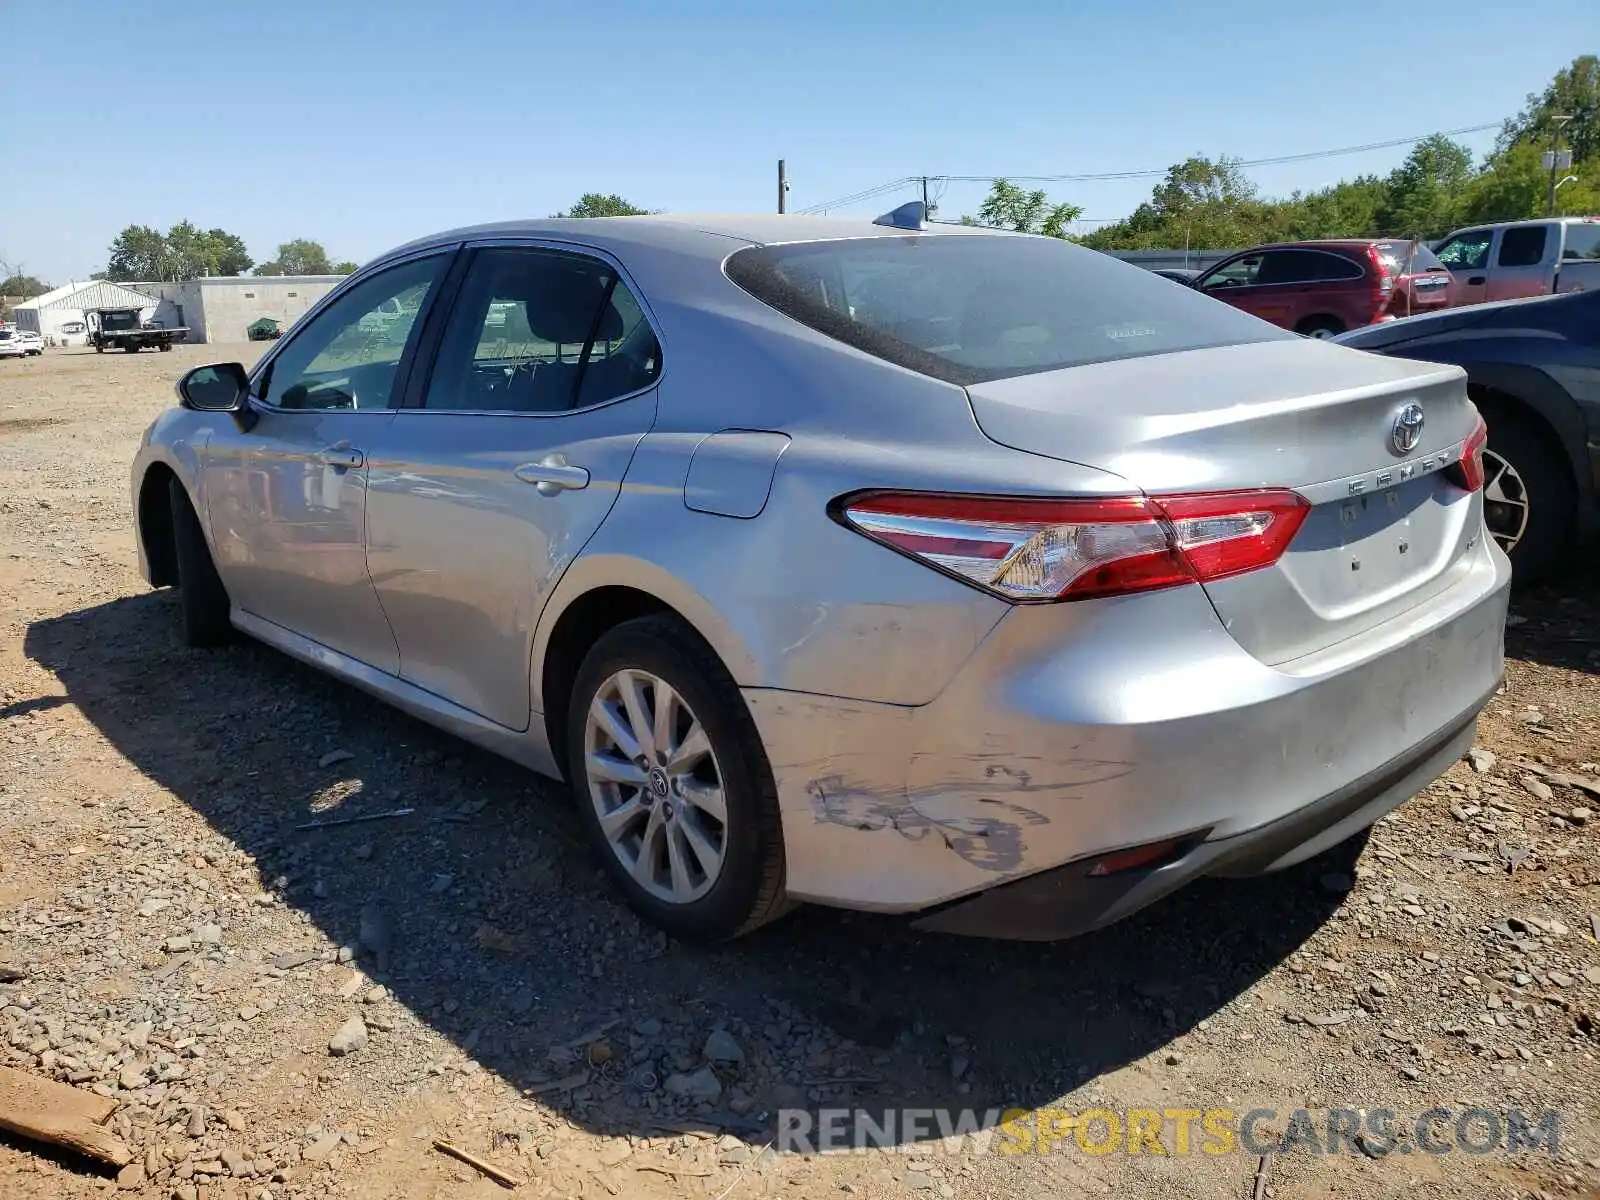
[
  {"x": 1583, "y": 242},
  {"x": 541, "y": 331},
  {"x": 1523, "y": 245},
  {"x": 971, "y": 308},
  {"x": 1306, "y": 266}
]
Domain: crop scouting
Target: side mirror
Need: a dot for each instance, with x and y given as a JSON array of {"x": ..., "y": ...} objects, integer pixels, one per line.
[{"x": 220, "y": 388}]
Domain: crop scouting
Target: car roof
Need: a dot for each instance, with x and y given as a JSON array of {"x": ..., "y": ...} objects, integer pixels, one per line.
[{"x": 713, "y": 235}]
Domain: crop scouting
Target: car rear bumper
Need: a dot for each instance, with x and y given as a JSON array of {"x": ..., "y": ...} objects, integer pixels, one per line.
[
  {"x": 1069, "y": 900},
  {"x": 1078, "y": 730}
]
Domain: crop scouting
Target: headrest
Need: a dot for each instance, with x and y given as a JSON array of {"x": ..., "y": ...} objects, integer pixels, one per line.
[{"x": 563, "y": 309}]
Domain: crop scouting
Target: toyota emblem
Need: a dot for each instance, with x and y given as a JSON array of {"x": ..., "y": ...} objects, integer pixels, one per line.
[{"x": 1407, "y": 431}]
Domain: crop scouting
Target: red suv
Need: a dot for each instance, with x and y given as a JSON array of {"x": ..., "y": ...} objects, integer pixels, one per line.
[{"x": 1323, "y": 288}]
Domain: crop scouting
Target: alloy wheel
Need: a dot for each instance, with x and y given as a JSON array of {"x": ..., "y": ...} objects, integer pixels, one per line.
[
  {"x": 656, "y": 786},
  {"x": 1505, "y": 501}
]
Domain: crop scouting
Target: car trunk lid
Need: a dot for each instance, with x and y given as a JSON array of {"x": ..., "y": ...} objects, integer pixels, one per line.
[{"x": 1388, "y": 528}]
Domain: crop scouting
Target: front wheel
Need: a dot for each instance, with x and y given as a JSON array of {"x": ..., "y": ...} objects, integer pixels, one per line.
[
  {"x": 165, "y": 346},
  {"x": 203, "y": 598},
  {"x": 673, "y": 783}
]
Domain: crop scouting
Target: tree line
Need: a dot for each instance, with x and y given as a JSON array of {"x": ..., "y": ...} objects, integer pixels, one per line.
[
  {"x": 144, "y": 253},
  {"x": 1211, "y": 204}
]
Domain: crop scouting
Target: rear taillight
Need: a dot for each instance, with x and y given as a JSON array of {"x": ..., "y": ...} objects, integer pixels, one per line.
[
  {"x": 1026, "y": 549},
  {"x": 1468, "y": 474},
  {"x": 1383, "y": 281}
]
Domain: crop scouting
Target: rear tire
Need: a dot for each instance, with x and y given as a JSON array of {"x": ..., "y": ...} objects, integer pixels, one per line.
[
  {"x": 1530, "y": 501},
  {"x": 1320, "y": 327},
  {"x": 650, "y": 655},
  {"x": 204, "y": 600}
]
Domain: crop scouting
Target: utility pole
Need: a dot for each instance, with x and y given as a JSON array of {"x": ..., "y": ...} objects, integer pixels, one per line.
[
  {"x": 1553, "y": 159},
  {"x": 925, "y": 210},
  {"x": 783, "y": 187}
]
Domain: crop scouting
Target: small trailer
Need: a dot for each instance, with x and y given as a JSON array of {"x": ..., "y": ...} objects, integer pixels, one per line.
[{"x": 120, "y": 328}]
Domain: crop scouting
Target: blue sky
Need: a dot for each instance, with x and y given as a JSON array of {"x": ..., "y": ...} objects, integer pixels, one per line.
[{"x": 362, "y": 125}]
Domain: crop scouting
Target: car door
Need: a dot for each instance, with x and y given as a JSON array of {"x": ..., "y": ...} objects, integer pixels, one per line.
[
  {"x": 1524, "y": 262},
  {"x": 286, "y": 492},
  {"x": 1466, "y": 254},
  {"x": 504, "y": 463}
]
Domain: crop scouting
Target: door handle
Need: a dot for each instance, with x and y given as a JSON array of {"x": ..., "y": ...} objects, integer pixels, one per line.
[
  {"x": 341, "y": 455},
  {"x": 1477, "y": 279},
  {"x": 553, "y": 475}
]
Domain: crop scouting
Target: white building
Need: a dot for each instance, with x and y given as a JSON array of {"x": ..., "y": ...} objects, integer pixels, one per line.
[
  {"x": 220, "y": 308},
  {"x": 59, "y": 314}
]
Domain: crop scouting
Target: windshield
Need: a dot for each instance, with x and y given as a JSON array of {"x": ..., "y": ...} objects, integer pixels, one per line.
[
  {"x": 5, "y": 335},
  {"x": 968, "y": 309},
  {"x": 119, "y": 320}
]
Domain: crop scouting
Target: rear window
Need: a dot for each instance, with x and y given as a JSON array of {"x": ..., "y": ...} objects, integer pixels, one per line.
[
  {"x": 1398, "y": 254},
  {"x": 971, "y": 308},
  {"x": 1583, "y": 242}
]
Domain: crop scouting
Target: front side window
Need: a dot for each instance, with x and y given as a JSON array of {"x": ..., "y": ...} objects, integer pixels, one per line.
[
  {"x": 1523, "y": 246},
  {"x": 541, "y": 331},
  {"x": 1241, "y": 272},
  {"x": 350, "y": 355},
  {"x": 1467, "y": 251}
]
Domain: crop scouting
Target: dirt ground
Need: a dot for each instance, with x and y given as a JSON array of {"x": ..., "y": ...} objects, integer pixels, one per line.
[{"x": 169, "y": 938}]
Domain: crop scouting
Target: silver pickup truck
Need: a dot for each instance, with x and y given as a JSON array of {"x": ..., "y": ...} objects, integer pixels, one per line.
[{"x": 1522, "y": 258}]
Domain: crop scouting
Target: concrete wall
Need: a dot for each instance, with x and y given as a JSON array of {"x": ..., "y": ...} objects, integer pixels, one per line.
[
  {"x": 221, "y": 310},
  {"x": 1192, "y": 260}
]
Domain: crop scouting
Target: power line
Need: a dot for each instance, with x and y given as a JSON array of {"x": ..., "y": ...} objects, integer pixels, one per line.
[
  {"x": 865, "y": 194},
  {"x": 1112, "y": 176}
]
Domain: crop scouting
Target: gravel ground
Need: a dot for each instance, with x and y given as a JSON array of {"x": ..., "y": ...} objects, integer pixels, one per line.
[{"x": 299, "y": 1013}]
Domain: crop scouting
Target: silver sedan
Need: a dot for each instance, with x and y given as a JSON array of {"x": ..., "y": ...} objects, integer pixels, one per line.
[{"x": 899, "y": 567}]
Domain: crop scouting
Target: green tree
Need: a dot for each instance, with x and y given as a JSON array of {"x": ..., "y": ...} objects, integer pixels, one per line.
[
  {"x": 22, "y": 287},
  {"x": 1201, "y": 204},
  {"x": 225, "y": 253},
  {"x": 139, "y": 252},
  {"x": 344, "y": 268},
  {"x": 1426, "y": 194},
  {"x": 593, "y": 204},
  {"x": 1009, "y": 207},
  {"x": 183, "y": 252},
  {"x": 302, "y": 256},
  {"x": 1575, "y": 93}
]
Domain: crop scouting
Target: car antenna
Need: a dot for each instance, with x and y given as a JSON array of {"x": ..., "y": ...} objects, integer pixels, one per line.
[{"x": 913, "y": 214}]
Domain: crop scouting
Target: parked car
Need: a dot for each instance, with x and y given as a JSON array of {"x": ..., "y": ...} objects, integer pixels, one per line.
[
  {"x": 11, "y": 344},
  {"x": 1533, "y": 368},
  {"x": 1323, "y": 288},
  {"x": 32, "y": 343},
  {"x": 947, "y": 572},
  {"x": 1523, "y": 258}
]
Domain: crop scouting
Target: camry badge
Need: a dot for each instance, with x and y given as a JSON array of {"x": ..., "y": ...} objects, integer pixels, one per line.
[{"x": 1407, "y": 431}]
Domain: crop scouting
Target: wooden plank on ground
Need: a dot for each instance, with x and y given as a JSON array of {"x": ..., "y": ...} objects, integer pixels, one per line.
[{"x": 61, "y": 1115}]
